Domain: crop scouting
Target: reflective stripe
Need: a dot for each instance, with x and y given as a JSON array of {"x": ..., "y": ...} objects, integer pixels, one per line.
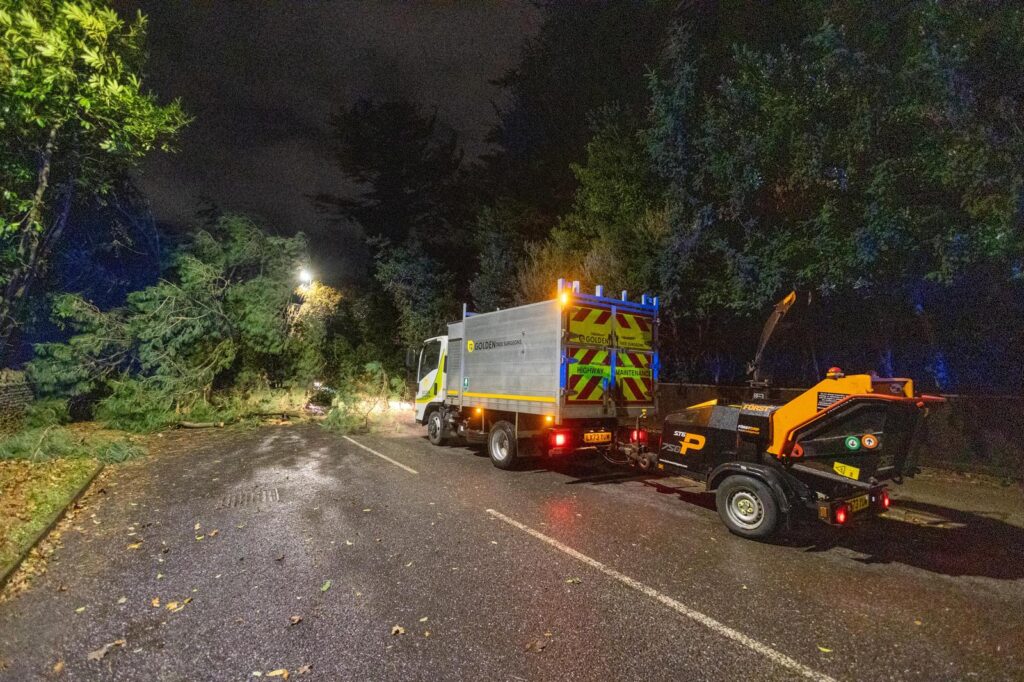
[
  {"x": 634, "y": 331},
  {"x": 589, "y": 326},
  {"x": 634, "y": 377},
  {"x": 589, "y": 371},
  {"x": 503, "y": 396}
]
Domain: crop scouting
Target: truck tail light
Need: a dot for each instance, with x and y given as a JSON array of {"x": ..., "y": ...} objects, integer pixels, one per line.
[
  {"x": 638, "y": 436},
  {"x": 559, "y": 439},
  {"x": 842, "y": 511},
  {"x": 886, "y": 500}
]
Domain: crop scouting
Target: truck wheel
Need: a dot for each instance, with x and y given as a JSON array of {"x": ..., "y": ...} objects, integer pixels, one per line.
[
  {"x": 748, "y": 507},
  {"x": 501, "y": 445},
  {"x": 435, "y": 428}
]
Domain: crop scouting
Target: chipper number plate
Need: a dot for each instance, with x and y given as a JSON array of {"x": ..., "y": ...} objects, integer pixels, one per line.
[
  {"x": 602, "y": 437},
  {"x": 859, "y": 503}
]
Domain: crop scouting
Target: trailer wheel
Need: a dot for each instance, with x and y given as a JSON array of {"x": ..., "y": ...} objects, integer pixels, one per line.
[
  {"x": 435, "y": 428},
  {"x": 501, "y": 445},
  {"x": 748, "y": 507}
]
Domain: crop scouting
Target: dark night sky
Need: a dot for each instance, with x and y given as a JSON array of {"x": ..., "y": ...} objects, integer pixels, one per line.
[{"x": 261, "y": 78}]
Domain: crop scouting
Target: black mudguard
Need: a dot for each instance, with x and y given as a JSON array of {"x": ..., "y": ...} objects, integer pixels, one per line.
[{"x": 788, "y": 490}]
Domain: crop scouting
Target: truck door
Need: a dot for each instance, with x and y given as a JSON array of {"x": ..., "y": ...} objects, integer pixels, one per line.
[
  {"x": 430, "y": 375},
  {"x": 634, "y": 360},
  {"x": 588, "y": 355}
]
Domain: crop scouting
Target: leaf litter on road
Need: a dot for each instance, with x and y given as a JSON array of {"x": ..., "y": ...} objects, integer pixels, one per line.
[
  {"x": 294, "y": 620},
  {"x": 104, "y": 650},
  {"x": 326, "y": 586},
  {"x": 174, "y": 606},
  {"x": 397, "y": 630}
]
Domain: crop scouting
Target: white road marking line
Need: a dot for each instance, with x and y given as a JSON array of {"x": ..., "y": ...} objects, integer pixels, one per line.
[
  {"x": 384, "y": 457},
  {"x": 724, "y": 630}
]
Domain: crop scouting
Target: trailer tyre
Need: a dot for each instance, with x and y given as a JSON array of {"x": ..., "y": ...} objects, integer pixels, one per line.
[
  {"x": 748, "y": 507},
  {"x": 435, "y": 428},
  {"x": 501, "y": 445}
]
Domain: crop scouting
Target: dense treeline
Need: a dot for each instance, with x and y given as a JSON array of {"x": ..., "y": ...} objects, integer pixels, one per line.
[
  {"x": 717, "y": 154},
  {"x": 720, "y": 155}
]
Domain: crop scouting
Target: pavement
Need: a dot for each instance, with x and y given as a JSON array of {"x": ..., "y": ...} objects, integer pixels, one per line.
[{"x": 237, "y": 554}]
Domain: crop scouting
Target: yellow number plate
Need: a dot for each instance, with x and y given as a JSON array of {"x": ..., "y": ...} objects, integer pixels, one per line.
[
  {"x": 859, "y": 503},
  {"x": 602, "y": 437}
]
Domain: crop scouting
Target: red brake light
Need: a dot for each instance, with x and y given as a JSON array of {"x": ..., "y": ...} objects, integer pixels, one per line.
[
  {"x": 841, "y": 514},
  {"x": 638, "y": 436},
  {"x": 885, "y": 499},
  {"x": 558, "y": 438}
]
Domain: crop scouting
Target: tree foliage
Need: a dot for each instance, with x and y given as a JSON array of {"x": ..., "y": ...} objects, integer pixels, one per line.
[
  {"x": 73, "y": 115},
  {"x": 410, "y": 195},
  {"x": 586, "y": 56},
  {"x": 877, "y": 167},
  {"x": 869, "y": 159},
  {"x": 226, "y": 316},
  {"x": 407, "y": 170}
]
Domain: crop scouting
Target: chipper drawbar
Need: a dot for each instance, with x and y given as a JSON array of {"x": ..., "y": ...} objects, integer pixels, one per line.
[{"x": 829, "y": 451}]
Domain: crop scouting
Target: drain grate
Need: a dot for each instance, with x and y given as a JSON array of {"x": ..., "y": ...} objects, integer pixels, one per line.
[{"x": 252, "y": 497}]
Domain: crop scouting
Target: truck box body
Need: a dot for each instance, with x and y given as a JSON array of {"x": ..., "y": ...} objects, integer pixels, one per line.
[{"x": 574, "y": 357}]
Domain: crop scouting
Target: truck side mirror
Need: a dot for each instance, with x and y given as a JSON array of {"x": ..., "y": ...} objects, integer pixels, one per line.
[{"x": 411, "y": 358}]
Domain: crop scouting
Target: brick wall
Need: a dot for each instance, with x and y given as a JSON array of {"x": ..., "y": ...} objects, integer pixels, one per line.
[
  {"x": 982, "y": 434},
  {"x": 15, "y": 395}
]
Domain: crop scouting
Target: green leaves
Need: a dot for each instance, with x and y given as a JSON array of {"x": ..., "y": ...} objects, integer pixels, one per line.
[
  {"x": 223, "y": 312},
  {"x": 73, "y": 116}
]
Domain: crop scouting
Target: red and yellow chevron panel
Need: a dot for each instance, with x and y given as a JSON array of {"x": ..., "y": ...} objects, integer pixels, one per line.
[
  {"x": 589, "y": 368},
  {"x": 590, "y": 326},
  {"x": 634, "y": 331},
  {"x": 634, "y": 377}
]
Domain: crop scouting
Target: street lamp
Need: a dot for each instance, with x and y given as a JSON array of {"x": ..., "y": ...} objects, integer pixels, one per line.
[{"x": 305, "y": 277}]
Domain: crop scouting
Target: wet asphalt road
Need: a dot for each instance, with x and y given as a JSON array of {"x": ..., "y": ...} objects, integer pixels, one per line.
[{"x": 606, "y": 576}]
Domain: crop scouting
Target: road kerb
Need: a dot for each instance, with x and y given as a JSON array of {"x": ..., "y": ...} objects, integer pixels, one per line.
[{"x": 12, "y": 568}]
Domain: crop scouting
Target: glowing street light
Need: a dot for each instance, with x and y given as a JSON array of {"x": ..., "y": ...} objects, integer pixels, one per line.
[{"x": 305, "y": 277}]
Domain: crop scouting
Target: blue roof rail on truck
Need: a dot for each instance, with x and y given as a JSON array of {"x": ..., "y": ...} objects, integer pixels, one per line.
[{"x": 647, "y": 304}]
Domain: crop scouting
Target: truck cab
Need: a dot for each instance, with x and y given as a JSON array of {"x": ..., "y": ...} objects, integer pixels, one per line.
[{"x": 431, "y": 377}]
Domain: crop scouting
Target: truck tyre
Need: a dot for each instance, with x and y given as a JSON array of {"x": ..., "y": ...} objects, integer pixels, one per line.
[
  {"x": 501, "y": 445},
  {"x": 748, "y": 507},
  {"x": 435, "y": 428}
]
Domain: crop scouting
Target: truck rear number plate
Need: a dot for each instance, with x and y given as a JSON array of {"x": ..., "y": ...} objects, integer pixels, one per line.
[
  {"x": 859, "y": 503},
  {"x": 602, "y": 437}
]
